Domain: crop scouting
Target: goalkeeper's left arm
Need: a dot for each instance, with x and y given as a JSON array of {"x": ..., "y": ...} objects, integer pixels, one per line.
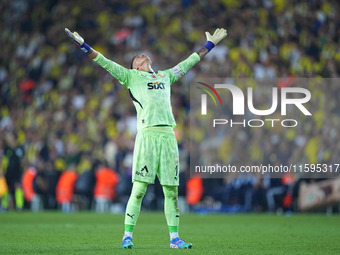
[
  {"x": 212, "y": 40},
  {"x": 180, "y": 69}
]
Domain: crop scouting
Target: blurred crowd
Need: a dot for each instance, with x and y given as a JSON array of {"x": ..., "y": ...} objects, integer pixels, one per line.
[{"x": 59, "y": 111}]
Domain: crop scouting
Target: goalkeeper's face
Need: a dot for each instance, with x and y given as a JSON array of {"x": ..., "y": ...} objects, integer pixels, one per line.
[{"x": 141, "y": 62}]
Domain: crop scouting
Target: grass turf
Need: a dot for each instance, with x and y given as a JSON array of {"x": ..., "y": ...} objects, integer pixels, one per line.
[{"x": 90, "y": 233}]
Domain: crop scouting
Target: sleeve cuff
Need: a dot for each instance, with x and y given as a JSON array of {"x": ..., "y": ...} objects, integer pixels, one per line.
[
  {"x": 196, "y": 56},
  {"x": 97, "y": 58}
]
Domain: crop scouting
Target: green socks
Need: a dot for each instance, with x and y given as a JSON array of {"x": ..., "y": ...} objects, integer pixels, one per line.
[
  {"x": 128, "y": 231},
  {"x": 170, "y": 208},
  {"x": 173, "y": 228},
  {"x": 171, "y": 205},
  {"x": 134, "y": 205},
  {"x": 129, "y": 228}
]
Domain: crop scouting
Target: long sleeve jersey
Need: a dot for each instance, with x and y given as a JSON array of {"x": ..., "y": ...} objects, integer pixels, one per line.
[{"x": 149, "y": 91}]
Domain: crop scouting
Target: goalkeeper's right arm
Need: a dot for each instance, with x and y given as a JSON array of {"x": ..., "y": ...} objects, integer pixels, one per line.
[
  {"x": 81, "y": 43},
  {"x": 116, "y": 70}
]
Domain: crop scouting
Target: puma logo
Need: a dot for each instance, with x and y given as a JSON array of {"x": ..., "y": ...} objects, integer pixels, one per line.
[{"x": 130, "y": 215}]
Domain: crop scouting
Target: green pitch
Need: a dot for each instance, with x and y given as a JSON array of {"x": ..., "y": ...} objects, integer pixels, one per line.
[{"x": 89, "y": 233}]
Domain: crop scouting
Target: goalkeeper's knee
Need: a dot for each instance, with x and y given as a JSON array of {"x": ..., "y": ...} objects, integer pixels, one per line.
[
  {"x": 170, "y": 192},
  {"x": 138, "y": 190}
]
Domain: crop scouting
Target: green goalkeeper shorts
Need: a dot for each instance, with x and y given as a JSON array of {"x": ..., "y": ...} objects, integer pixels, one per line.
[{"x": 156, "y": 153}]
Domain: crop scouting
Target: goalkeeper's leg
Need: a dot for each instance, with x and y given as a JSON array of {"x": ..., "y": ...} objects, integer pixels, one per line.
[
  {"x": 132, "y": 211},
  {"x": 171, "y": 211}
]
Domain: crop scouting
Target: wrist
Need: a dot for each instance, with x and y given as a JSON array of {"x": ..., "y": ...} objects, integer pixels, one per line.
[
  {"x": 86, "y": 48},
  {"x": 209, "y": 45}
]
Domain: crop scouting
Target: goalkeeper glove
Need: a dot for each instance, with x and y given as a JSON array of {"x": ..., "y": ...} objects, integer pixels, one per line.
[
  {"x": 79, "y": 41},
  {"x": 212, "y": 40}
]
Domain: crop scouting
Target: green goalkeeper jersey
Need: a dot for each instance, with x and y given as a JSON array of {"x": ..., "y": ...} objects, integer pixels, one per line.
[{"x": 149, "y": 91}]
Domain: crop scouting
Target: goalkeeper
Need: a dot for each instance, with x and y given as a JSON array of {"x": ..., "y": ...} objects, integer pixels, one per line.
[{"x": 156, "y": 149}]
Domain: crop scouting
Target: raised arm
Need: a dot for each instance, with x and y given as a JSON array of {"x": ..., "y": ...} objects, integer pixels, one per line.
[
  {"x": 119, "y": 72},
  {"x": 81, "y": 43},
  {"x": 179, "y": 70},
  {"x": 212, "y": 40}
]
